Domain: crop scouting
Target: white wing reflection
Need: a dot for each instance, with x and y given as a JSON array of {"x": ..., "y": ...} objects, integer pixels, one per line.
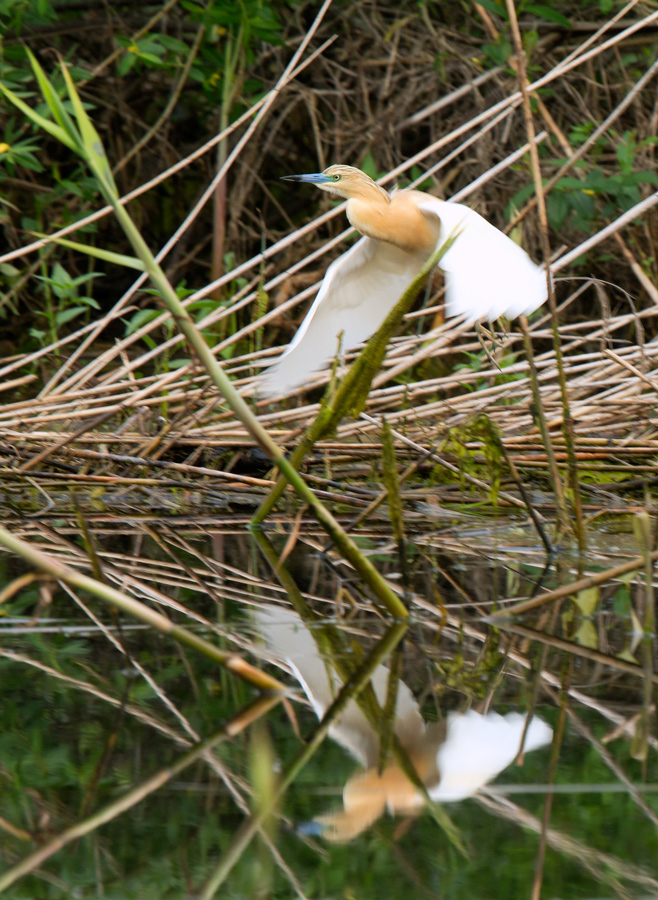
[{"x": 454, "y": 759}]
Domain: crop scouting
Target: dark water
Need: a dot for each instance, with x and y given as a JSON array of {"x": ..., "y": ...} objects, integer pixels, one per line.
[{"x": 95, "y": 703}]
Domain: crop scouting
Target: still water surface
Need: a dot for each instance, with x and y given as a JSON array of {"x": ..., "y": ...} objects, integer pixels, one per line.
[{"x": 95, "y": 704}]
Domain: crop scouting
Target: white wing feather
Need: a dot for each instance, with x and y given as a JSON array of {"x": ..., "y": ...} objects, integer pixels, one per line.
[
  {"x": 358, "y": 291},
  {"x": 487, "y": 274},
  {"x": 289, "y": 639},
  {"x": 478, "y": 747}
]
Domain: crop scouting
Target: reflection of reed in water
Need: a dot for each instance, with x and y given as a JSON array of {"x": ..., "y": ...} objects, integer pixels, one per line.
[{"x": 454, "y": 758}]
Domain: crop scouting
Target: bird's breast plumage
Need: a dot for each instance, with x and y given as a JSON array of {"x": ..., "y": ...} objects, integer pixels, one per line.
[{"x": 398, "y": 221}]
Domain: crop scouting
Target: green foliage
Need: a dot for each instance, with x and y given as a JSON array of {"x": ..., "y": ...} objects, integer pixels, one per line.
[
  {"x": 547, "y": 12},
  {"x": 165, "y": 362},
  {"x": 390, "y": 477},
  {"x": 496, "y": 7},
  {"x": 484, "y": 460},
  {"x": 552, "y": 11},
  {"x": 482, "y": 360},
  {"x": 198, "y": 310},
  {"x": 499, "y": 53},
  {"x": 475, "y": 680},
  {"x": 18, "y": 14},
  {"x": 369, "y": 166},
  {"x": 15, "y": 153},
  {"x": 153, "y": 51},
  {"x": 583, "y": 203},
  {"x": 254, "y": 20},
  {"x": 233, "y": 31},
  {"x": 232, "y": 36},
  {"x": 64, "y": 301},
  {"x": 573, "y": 201}
]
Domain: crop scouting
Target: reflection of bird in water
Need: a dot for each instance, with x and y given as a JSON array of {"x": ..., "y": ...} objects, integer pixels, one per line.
[
  {"x": 454, "y": 759},
  {"x": 487, "y": 274}
]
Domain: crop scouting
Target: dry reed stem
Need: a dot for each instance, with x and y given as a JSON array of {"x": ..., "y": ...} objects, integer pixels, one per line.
[{"x": 575, "y": 587}]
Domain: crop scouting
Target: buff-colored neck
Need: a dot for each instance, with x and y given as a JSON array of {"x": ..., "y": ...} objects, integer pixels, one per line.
[{"x": 395, "y": 220}]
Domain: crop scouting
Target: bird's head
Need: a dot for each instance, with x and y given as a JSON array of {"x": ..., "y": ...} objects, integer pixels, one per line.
[{"x": 345, "y": 181}]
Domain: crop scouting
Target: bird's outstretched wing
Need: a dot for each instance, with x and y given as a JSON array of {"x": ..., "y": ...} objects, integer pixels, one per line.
[
  {"x": 290, "y": 640},
  {"x": 478, "y": 747},
  {"x": 487, "y": 274},
  {"x": 358, "y": 291}
]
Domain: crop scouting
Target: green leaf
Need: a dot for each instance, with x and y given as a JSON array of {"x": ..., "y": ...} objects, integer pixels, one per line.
[
  {"x": 59, "y": 280},
  {"x": 173, "y": 44},
  {"x": 55, "y": 130},
  {"x": 526, "y": 192},
  {"x": 499, "y": 52},
  {"x": 497, "y": 8},
  {"x": 89, "y": 301},
  {"x": 67, "y": 314},
  {"x": 557, "y": 208},
  {"x": 142, "y": 317},
  {"x": 8, "y": 271},
  {"x": 626, "y": 154},
  {"x": 50, "y": 95},
  {"x": 83, "y": 279},
  {"x": 551, "y": 15},
  {"x": 587, "y": 600},
  {"x": 119, "y": 259},
  {"x": 369, "y": 166},
  {"x": 177, "y": 363},
  {"x": 621, "y": 602},
  {"x": 586, "y": 635},
  {"x": 150, "y": 57},
  {"x": 644, "y": 177},
  {"x": 94, "y": 150},
  {"x": 126, "y": 63}
]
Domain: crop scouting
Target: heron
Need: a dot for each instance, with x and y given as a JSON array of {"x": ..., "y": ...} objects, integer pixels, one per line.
[
  {"x": 487, "y": 275},
  {"x": 454, "y": 758}
]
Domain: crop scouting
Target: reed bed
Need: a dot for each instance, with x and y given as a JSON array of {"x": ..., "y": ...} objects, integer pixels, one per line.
[
  {"x": 103, "y": 436},
  {"x": 101, "y": 414}
]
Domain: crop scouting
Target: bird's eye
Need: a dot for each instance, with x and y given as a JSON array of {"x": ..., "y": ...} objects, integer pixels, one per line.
[{"x": 336, "y": 177}]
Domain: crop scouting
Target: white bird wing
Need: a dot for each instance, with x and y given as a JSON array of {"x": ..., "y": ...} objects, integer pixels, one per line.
[
  {"x": 289, "y": 639},
  {"x": 487, "y": 274},
  {"x": 478, "y": 747},
  {"x": 358, "y": 291}
]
